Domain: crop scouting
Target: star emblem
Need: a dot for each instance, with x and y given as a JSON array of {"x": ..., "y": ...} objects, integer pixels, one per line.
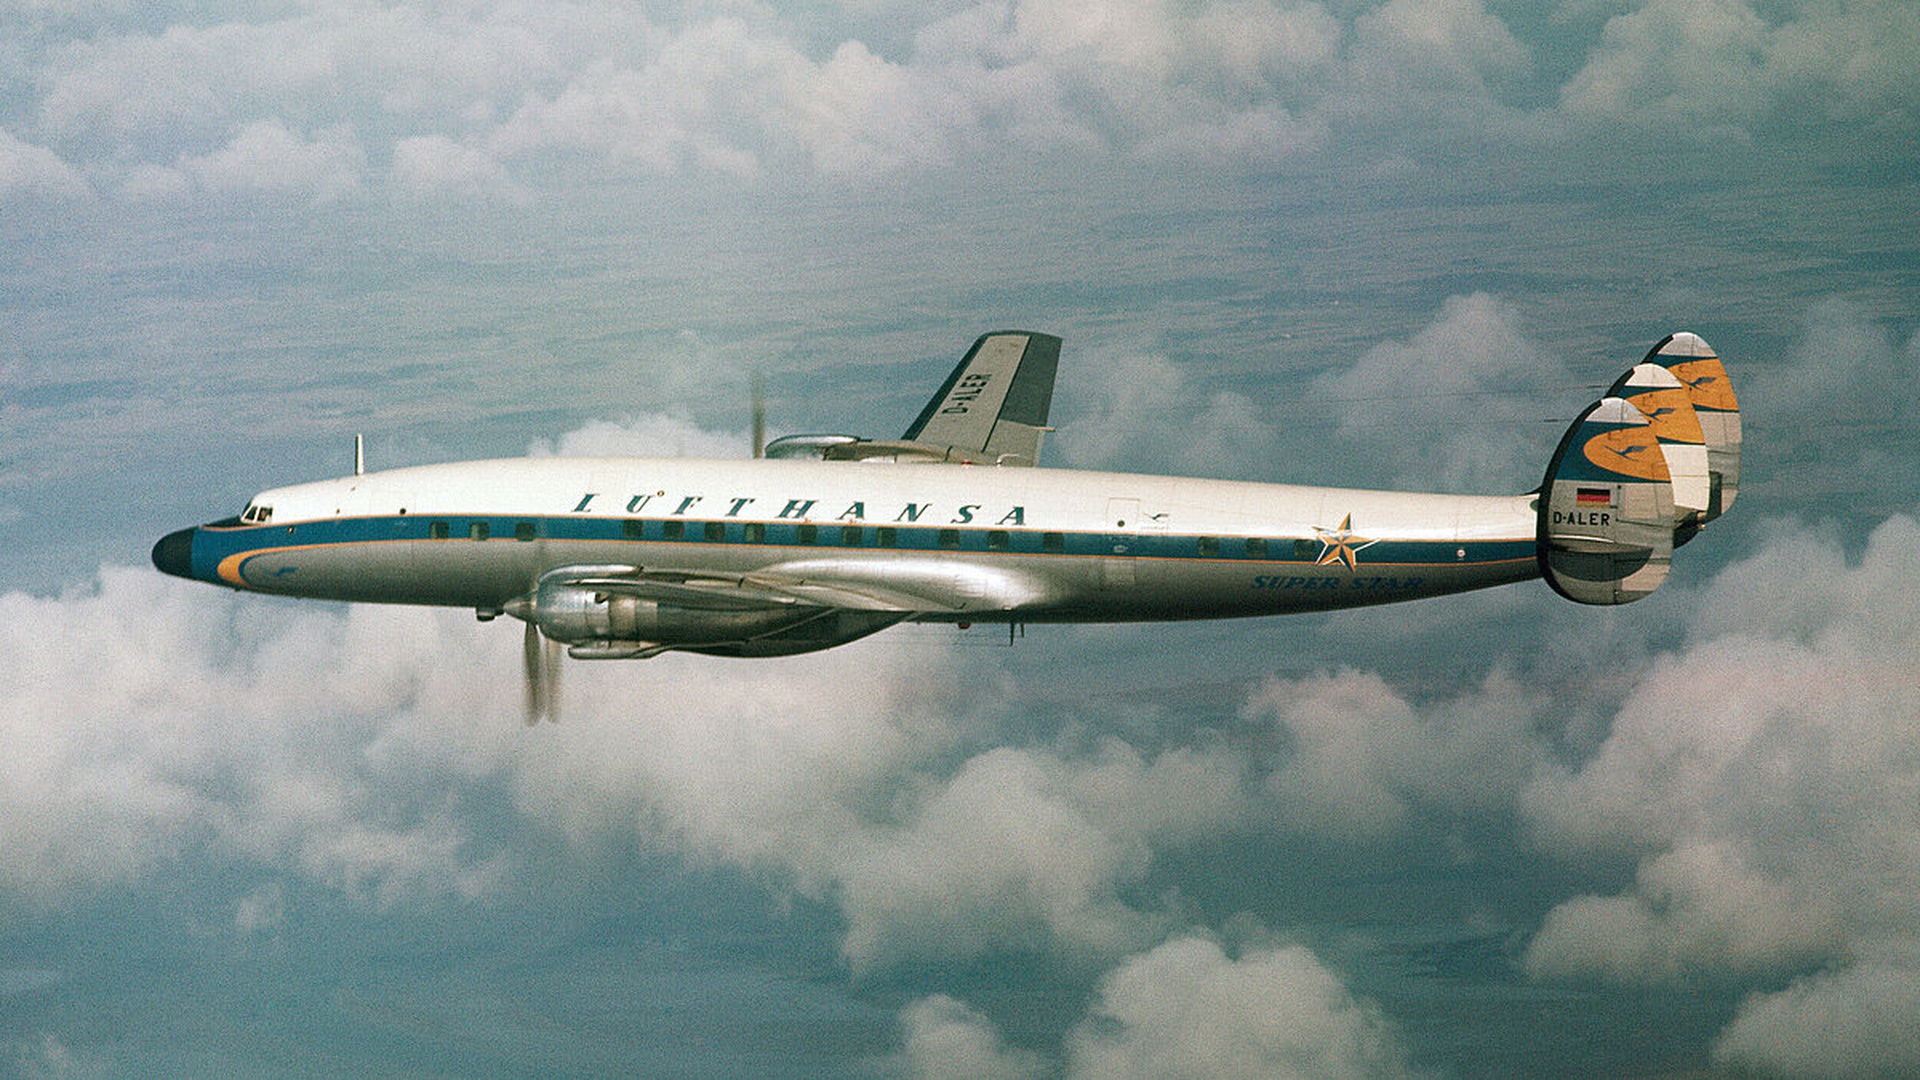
[{"x": 1341, "y": 545}]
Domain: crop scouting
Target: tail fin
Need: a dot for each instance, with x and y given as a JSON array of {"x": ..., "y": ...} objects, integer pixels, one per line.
[
  {"x": 1638, "y": 474},
  {"x": 1605, "y": 533},
  {"x": 1663, "y": 399},
  {"x": 1693, "y": 362}
]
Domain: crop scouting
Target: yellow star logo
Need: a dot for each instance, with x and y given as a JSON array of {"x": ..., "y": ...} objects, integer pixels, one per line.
[{"x": 1341, "y": 545}]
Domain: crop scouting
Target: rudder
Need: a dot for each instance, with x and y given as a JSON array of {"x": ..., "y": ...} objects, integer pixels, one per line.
[{"x": 1698, "y": 367}]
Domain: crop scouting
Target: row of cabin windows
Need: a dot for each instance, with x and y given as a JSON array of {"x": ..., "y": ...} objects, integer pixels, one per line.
[
  {"x": 886, "y": 536},
  {"x": 480, "y": 530}
]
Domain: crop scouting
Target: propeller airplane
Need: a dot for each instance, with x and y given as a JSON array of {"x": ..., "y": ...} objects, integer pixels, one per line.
[{"x": 825, "y": 539}]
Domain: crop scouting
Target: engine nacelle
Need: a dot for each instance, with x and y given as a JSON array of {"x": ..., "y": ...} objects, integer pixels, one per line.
[{"x": 579, "y": 615}]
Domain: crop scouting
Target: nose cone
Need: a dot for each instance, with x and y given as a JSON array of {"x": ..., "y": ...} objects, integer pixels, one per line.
[{"x": 174, "y": 554}]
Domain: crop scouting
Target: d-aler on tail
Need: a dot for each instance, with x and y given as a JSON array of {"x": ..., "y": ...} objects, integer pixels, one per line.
[{"x": 1638, "y": 474}]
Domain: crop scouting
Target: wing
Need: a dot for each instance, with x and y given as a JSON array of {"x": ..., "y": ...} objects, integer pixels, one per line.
[
  {"x": 615, "y": 612},
  {"x": 906, "y": 586},
  {"x": 993, "y": 407}
]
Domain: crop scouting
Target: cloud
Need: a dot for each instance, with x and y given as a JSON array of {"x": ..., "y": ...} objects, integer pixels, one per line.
[
  {"x": 945, "y": 1039},
  {"x": 1763, "y": 778},
  {"x": 431, "y": 165},
  {"x": 267, "y": 158},
  {"x": 192, "y": 721},
  {"x": 1029, "y": 849},
  {"x": 695, "y": 101},
  {"x": 1117, "y": 421},
  {"x": 1723, "y": 69},
  {"x": 651, "y": 435},
  {"x": 1470, "y": 378},
  {"x": 1848, "y": 368},
  {"x": 46, "y": 1057},
  {"x": 1420, "y": 58},
  {"x": 1356, "y": 758},
  {"x": 1672, "y": 64},
  {"x": 559, "y": 94},
  {"x": 355, "y": 749},
  {"x": 1187, "y": 1009},
  {"x": 29, "y": 170},
  {"x": 1861, "y": 1021}
]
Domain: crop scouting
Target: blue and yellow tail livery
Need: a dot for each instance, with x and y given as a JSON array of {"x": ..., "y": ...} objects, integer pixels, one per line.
[
  {"x": 1694, "y": 363},
  {"x": 1639, "y": 473}
]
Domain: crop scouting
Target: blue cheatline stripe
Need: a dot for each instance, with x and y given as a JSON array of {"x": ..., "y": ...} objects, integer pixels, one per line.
[{"x": 221, "y": 542}]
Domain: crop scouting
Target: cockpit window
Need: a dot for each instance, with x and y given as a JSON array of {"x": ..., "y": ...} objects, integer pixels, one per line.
[{"x": 257, "y": 514}]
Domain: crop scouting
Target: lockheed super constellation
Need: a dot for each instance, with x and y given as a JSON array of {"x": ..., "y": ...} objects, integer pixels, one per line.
[{"x": 823, "y": 539}]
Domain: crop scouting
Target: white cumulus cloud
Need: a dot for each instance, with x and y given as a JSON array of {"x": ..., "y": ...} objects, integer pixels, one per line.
[
  {"x": 946, "y": 1040},
  {"x": 1766, "y": 778},
  {"x": 26, "y": 169},
  {"x": 268, "y": 158},
  {"x": 1460, "y": 378},
  {"x": 1188, "y": 1009}
]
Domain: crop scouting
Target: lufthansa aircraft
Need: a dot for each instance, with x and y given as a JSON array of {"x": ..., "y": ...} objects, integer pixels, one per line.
[{"x": 829, "y": 538}]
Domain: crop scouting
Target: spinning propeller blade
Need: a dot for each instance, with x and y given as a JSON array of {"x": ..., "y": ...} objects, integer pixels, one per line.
[
  {"x": 759, "y": 415},
  {"x": 540, "y": 667}
]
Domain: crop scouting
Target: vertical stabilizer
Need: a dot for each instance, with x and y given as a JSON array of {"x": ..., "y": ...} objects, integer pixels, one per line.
[
  {"x": 1605, "y": 533},
  {"x": 1668, "y": 407},
  {"x": 1698, "y": 368}
]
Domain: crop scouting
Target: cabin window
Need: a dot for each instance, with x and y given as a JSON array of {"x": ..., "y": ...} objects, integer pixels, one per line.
[
  {"x": 886, "y": 536},
  {"x": 477, "y": 531},
  {"x": 1256, "y": 547},
  {"x": 673, "y": 530},
  {"x": 949, "y": 538},
  {"x": 851, "y": 535},
  {"x": 807, "y": 534},
  {"x": 716, "y": 530},
  {"x": 1053, "y": 541},
  {"x": 633, "y": 529},
  {"x": 998, "y": 540},
  {"x": 754, "y": 532},
  {"x": 1303, "y": 549},
  {"x": 438, "y": 530},
  {"x": 524, "y": 531},
  {"x": 1206, "y": 546}
]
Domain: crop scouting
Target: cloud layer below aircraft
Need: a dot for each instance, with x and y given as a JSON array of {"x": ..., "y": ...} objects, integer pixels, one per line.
[{"x": 1759, "y": 776}]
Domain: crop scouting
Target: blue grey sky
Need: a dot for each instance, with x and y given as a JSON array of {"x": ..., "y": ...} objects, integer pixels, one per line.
[{"x": 1364, "y": 244}]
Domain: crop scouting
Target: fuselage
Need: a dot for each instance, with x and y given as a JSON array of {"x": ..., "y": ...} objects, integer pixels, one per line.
[{"x": 1020, "y": 544}]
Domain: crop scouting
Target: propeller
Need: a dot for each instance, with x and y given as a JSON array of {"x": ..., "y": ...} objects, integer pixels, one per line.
[
  {"x": 540, "y": 663},
  {"x": 759, "y": 414}
]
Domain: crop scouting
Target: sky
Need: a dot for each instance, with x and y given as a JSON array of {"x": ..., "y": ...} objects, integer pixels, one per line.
[{"x": 1362, "y": 244}]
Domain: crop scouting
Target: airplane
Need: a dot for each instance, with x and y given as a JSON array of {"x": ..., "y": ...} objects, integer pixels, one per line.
[{"x": 819, "y": 540}]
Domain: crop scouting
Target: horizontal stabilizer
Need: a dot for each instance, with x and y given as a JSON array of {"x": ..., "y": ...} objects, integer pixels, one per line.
[
  {"x": 993, "y": 408},
  {"x": 1605, "y": 527}
]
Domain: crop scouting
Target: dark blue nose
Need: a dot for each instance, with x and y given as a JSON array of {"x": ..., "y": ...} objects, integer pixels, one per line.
[{"x": 174, "y": 554}]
